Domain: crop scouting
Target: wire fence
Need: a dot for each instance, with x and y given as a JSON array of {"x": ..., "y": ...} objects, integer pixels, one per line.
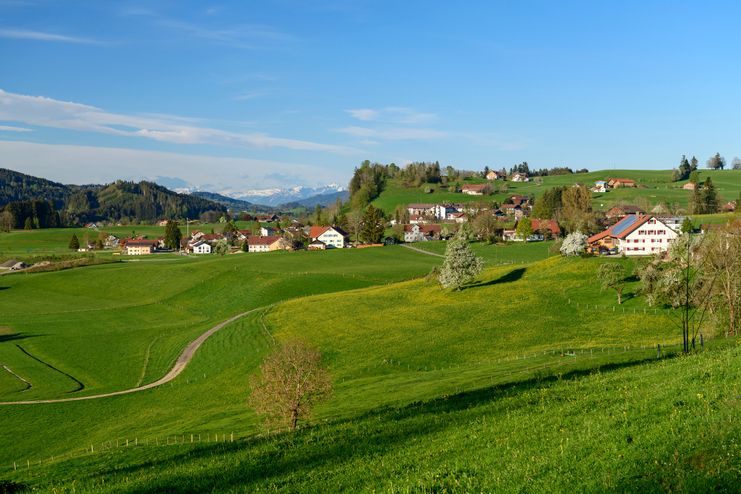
[{"x": 493, "y": 371}]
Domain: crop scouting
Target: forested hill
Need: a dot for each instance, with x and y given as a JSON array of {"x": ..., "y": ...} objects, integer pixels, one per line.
[
  {"x": 120, "y": 200},
  {"x": 233, "y": 204},
  {"x": 15, "y": 186}
]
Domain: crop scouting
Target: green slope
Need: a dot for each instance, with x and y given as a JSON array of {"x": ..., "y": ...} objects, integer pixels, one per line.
[{"x": 655, "y": 186}]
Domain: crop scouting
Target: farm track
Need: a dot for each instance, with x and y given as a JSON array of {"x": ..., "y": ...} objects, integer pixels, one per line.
[
  {"x": 180, "y": 364},
  {"x": 421, "y": 251}
]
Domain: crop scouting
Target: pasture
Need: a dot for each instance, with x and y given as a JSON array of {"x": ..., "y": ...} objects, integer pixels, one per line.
[{"x": 655, "y": 186}]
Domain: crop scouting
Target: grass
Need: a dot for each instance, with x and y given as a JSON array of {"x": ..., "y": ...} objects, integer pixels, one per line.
[
  {"x": 669, "y": 426},
  {"x": 388, "y": 346},
  {"x": 655, "y": 187}
]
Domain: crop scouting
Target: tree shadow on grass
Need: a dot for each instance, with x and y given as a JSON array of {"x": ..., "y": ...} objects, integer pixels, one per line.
[
  {"x": 4, "y": 288},
  {"x": 16, "y": 336},
  {"x": 513, "y": 275}
]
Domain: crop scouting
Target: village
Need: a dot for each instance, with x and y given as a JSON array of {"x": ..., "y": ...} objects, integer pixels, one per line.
[{"x": 624, "y": 229}]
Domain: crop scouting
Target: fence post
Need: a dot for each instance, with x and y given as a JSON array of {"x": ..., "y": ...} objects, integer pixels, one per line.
[
  {"x": 658, "y": 350},
  {"x": 702, "y": 342}
]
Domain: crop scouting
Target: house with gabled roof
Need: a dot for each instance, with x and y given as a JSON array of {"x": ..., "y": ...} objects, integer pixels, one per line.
[
  {"x": 634, "y": 235},
  {"x": 421, "y": 233},
  {"x": 621, "y": 211},
  {"x": 140, "y": 247},
  {"x": 615, "y": 183},
  {"x": 331, "y": 236},
  {"x": 476, "y": 189},
  {"x": 266, "y": 244}
]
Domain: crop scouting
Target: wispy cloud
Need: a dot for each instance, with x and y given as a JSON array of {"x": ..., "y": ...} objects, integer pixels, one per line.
[
  {"x": 243, "y": 36},
  {"x": 48, "y": 112},
  {"x": 44, "y": 36},
  {"x": 248, "y": 95},
  {"x": 10, "y": 128},
  {"x": 81, "y": 164},
  {"x": 393, "y": 115},
  {"x": 393, "y": 134}
]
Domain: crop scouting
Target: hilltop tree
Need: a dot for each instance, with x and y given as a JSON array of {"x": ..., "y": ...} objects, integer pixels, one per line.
[
  {"x": 461, "y": 265},
  {"x": 373, "y": 226},
  {"x": 291, "y": 380},
  {"x": 524, "y": 228},
  {"x": 173, "y": 235},
  {"x": 612, "y": 276},
  {"x": 716, "y": 162},
  {"x": 736, "y": 163},
  {"x": 74, "y": 242}
]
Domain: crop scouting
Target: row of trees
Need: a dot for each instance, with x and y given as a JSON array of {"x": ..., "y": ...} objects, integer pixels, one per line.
[
  {"x": 29, "y": 215},
  {"x": 687, "y": 167}
]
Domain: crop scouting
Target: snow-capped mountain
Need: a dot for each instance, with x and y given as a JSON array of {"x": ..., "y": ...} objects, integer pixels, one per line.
[{"x": 276, "y": 196}]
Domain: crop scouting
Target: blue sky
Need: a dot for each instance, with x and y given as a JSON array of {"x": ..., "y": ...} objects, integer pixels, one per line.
[{"x": 242, "y": 95}]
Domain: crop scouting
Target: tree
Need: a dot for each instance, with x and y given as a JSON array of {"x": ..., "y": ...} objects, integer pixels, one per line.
[
  {"x": 577, "y": 209},
  {"x": 173, "y": 235},
  {"x": 485, "y": 226},
  {"x": 722, "y": 253},
  {"x": 6, "y": 221},
  {"x": 524, "y": 228},
  {"x": 28, "y": 224},
  {"x": 709, "y": 197},
  {"x": 245, "y": 247},
  {"x": 574, "y": 244},
  {"x": 612, "y": 276},
  {"x": 291, "y": 380},
  {"x": 74, "y": 242},
  {"x": 687, "y": 225},
  {"x": 736, "y": 163},
  {"x": 373, "y": 226},
  {"x": 716, "y": 162},
  {"x": 221, "y": 247},
  {"x": 461, "y": 265}
]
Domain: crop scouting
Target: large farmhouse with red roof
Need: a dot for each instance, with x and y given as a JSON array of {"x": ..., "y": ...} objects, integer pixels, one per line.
[
  {"x": 330, "y": 236},
  {"x": 634, "y": 235}
]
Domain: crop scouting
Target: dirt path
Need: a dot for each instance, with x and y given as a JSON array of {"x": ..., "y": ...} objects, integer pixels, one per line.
[
  {"x": 421, "y": 251},
  {"x": 180, "y": 364}
]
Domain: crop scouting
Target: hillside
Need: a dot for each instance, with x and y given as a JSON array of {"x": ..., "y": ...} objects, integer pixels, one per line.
[
  {"x": 236, "y": 205},
  {"x": 15, "y": 186},
  {"x": 655, "y": 186},
  {"x": 143, "y": 201},
  {"x": 637, "y": 427}
]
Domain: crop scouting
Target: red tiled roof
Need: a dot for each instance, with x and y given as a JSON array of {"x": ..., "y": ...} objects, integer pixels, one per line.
[
  {"x": 263, "y": 240},
  {"x": 551, "y": 225},
  {"x": 432, "y": 228},
  {"x": 140, "y": 243},
  {"x": 475, "y": 187},
  {"x": 316, "y": 231}
]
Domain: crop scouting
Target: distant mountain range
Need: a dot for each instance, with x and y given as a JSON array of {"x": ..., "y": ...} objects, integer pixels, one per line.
[
  {"x": 294, "y": 195},
  {"x": 233, "y": 204}
]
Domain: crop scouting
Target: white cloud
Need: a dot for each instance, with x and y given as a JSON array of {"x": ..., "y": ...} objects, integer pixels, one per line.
[
  {"x": 10, "y": 128},
  {"x": 48, "y": 112},
  {"x": 43, "y": 36},
  {"x": 393, "y": 115},
  {"x": 393, "y": 134},
  {"x": 87, "y": 164}
]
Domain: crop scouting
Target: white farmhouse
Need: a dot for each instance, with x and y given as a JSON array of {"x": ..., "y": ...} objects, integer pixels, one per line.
[
  {"x": 201, "y": 247},
  {"x": 331, "y": 236},
  {"x": 635, "y": 235}
]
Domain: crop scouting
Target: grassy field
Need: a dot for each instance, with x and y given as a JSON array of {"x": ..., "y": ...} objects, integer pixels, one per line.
[
  {"x": 388, "y": 343},
  {"x": 669, "y": 426},
  {"x": 655, "y": 187},
  {"x": 26, "y": 244}
]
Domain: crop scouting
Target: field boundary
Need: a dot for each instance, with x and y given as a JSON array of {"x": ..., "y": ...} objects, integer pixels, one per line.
[
  {"x": 80, "y": 385},
  {"x": 180, "y": 364}
]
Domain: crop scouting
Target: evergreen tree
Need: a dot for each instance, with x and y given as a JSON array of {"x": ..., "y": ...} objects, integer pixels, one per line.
[
  {"x": 74, "y": 243},
  {"x": 373, "y": 226},
  {"x": 687, "y": 225},
  {"x": 173, "y": 235},
  {"x": 716, "y": 162},
  {"x": 460, "y": 265},
  {"x": 709, "y": 197}
]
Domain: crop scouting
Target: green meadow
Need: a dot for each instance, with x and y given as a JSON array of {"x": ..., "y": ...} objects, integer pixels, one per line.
[
  {"x": 391, "y": 340},
  {"x": 654, "y": 186},
  {"x": 667, "y": 426}
]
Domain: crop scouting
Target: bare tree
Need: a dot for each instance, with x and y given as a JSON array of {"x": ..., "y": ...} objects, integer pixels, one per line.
[
  {"x": 723, "y": 256},
  {"x": 291, "y": 381}
]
